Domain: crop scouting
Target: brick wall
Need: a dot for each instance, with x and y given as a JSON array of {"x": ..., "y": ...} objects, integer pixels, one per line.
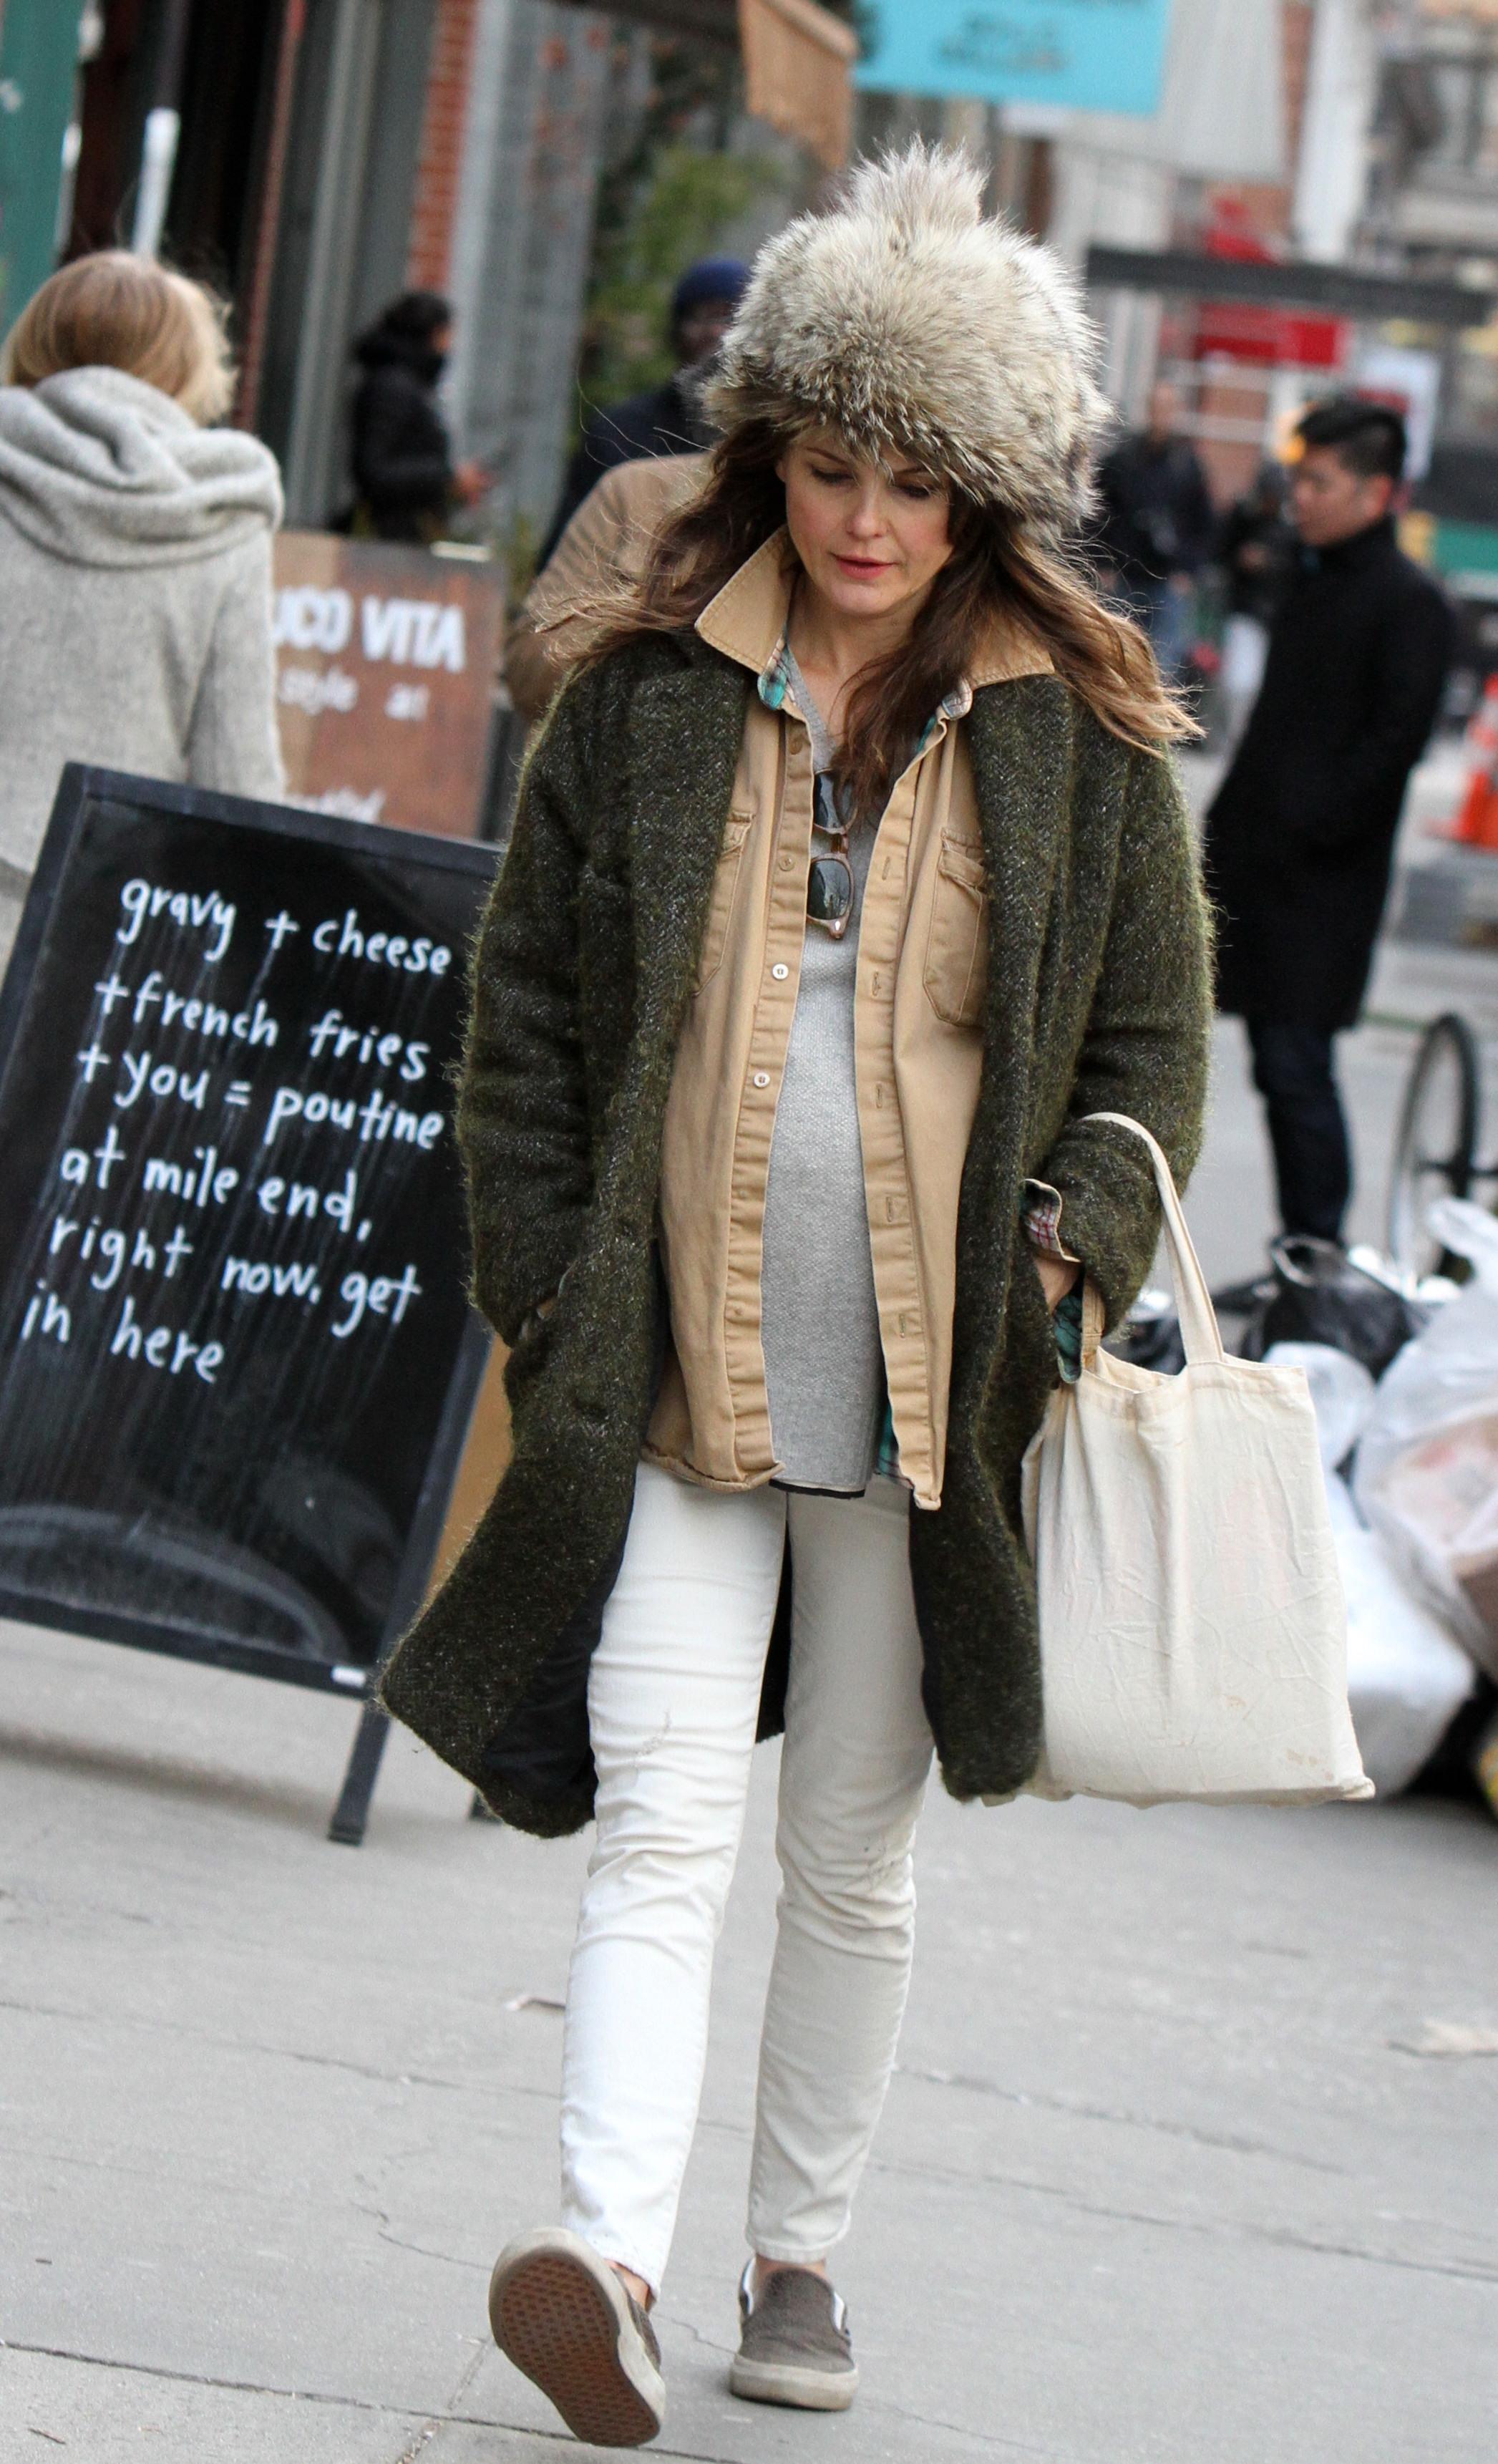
[
  {"x": 1269, "y": 206},
  {"x": 438, "y": 167},
  {"x": 1298, "y": 15}
]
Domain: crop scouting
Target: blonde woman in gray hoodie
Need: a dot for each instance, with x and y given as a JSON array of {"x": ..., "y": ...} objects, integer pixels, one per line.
[{"x": 135, "y": 552}]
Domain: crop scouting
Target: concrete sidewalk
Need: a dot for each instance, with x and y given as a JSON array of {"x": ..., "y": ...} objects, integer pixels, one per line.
[{"x": 1165, "y": 2177}]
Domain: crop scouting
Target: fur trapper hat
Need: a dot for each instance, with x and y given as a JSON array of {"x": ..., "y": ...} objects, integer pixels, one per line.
[{"x": 910, "y": 321}]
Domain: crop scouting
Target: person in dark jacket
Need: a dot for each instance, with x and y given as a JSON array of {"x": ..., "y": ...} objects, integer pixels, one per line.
[
  {"x": 1256, "y": 547},
  {"x": 1157, "y": 527},
  {"x": 1300, "y": 837},
  {"x": 668, "y": 419},
  {"x": 406, "y": 485},
  {"x": 1255, "y": 553}
]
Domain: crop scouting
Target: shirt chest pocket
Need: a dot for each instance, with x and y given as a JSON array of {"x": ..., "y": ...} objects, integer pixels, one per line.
[
  {"x": 724, "y": 895},
  {"x": 957, "y": 943}
]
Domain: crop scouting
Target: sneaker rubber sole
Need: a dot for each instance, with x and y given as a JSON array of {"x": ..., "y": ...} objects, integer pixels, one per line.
[
  {"x": 559, "y": 2313},
  {"x": 784, "y": 2383}
]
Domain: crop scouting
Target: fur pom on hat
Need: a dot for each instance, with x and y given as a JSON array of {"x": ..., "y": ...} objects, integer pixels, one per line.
[{"x": 908, "y": 320}]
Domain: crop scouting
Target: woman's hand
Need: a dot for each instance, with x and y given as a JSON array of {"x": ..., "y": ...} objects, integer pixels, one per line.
[{"x": 1057, "y": 1276}]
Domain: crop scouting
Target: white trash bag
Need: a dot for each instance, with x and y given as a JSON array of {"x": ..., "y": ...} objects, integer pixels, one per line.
[
  {"x": 1342, "y": 1394},
  {"x": 1406, "y": 1679},
  {"x": 1426, "y": 1479}
]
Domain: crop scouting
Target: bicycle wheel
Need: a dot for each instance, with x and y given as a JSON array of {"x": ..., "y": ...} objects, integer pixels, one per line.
[{"x": 1436, "y": 1141}]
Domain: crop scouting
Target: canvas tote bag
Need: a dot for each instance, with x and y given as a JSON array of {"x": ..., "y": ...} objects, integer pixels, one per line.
[{"x": 1192, "y": 1630}]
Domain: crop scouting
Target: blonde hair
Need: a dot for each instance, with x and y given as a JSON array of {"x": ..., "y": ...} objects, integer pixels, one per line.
[{"x": 118, "y": 311}]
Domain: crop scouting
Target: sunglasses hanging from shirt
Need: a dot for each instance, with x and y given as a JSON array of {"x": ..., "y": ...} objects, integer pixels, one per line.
[{"x": 831, "y": 888}]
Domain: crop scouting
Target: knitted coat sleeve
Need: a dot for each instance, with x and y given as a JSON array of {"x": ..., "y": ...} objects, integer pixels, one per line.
[
  {"x": 523, "y": 1121},
  {"x": 1147, "y": 1048}
]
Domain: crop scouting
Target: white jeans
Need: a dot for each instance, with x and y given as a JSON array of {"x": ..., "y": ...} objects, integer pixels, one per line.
[{"x": 673, "y": 1700}]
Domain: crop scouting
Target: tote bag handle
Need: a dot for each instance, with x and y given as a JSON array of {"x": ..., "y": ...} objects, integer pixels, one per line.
[{"x": 1198, "y": 1328}]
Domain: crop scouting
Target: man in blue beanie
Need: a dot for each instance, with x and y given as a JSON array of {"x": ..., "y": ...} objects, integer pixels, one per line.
[{"x": 668, "y": 419}]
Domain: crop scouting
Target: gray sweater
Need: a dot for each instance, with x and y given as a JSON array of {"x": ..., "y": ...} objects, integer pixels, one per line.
[
  {"x": 135, "y": 601},
  {"x": 824, "y": 1362}
]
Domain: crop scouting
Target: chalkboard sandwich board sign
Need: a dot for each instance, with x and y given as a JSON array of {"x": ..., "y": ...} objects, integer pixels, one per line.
[{"x": 236, "y": 1360}]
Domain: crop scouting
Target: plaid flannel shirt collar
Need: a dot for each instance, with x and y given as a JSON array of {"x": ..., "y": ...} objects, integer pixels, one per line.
[{"x": 774, "y": 684}]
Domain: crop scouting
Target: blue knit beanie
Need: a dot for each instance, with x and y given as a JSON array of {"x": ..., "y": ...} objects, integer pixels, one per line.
[{"x": 712, "y": 278}]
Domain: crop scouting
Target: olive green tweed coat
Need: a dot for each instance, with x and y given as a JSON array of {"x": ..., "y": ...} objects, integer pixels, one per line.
[{"x": 1097, "y": 999}]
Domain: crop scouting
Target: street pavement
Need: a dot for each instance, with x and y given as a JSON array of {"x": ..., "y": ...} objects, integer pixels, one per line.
[{"x": 1172, "y": 2172}]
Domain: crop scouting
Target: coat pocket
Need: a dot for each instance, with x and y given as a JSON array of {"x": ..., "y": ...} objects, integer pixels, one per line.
[
  {"x": 725, "y": 893},
  {"x": 957, "y": 944}
]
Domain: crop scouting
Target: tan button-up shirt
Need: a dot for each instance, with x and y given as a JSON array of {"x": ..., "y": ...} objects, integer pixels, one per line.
[{"x": 922, "y": 973}]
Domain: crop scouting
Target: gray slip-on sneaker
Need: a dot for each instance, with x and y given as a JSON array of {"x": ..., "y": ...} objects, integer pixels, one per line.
[
  {"x": 794, "y": 2347},
  {"x": 568, "y": 2322}
]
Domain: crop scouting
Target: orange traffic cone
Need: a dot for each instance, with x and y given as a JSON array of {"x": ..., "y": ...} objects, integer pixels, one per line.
[{"x": 1477, "y": 819}]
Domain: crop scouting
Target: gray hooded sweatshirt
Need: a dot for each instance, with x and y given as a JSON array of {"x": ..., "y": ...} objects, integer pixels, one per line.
[{"x": 135, "y": 601}]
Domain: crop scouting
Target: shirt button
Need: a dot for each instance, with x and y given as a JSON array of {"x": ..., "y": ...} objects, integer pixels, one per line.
[
  {"x": 761, "y": 1077},
  {"x": 780, "y": 971},
  {"x": 786, "y": 861}
]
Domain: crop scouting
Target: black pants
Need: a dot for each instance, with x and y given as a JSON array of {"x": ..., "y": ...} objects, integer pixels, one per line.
[{"x": 1307, "y": 1129}]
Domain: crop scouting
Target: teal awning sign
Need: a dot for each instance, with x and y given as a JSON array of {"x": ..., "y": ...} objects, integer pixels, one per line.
[
  {"x": 1084, "y": 55},
  {"x": 38, "y": 68}
]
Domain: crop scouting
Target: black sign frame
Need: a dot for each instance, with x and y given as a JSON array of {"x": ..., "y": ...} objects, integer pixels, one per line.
[{"x": 79, "y": 787}]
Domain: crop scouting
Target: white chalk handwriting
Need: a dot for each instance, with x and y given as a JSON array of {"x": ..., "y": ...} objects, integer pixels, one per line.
[{"x": 240, "y": 1192}]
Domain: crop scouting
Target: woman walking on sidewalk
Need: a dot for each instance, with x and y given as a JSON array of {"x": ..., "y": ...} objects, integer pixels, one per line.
[
  {"x": 135, "y": 551},
  {"x": 850, "y": 874}
]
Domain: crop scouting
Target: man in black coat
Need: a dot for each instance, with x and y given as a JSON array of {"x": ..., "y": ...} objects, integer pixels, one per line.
[
  {"x": 668, "y": 419},
  {"x": 1301, "y": 835}
]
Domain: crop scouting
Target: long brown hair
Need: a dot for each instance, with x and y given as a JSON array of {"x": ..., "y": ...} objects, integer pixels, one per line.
[{"x": 997, "y": 567}]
